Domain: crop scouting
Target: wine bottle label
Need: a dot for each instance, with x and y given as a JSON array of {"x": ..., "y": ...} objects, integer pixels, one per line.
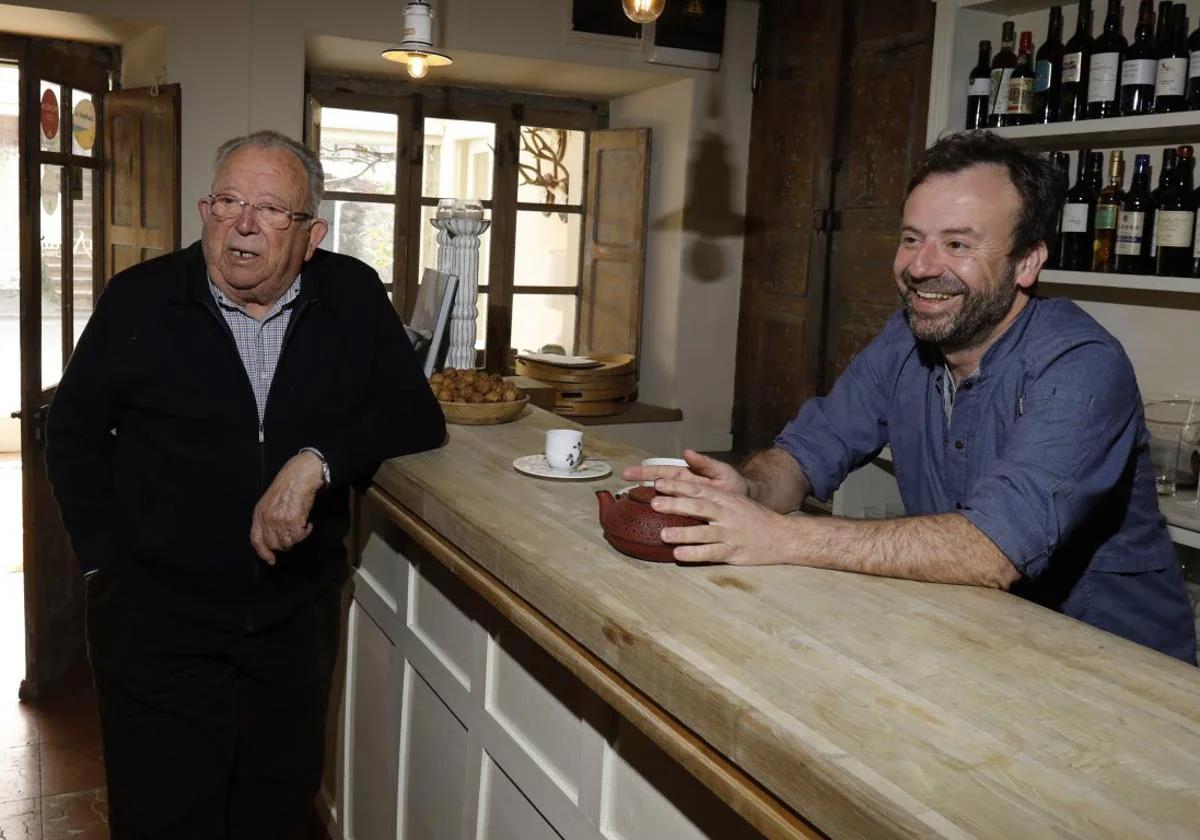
[
  {"x": 1172, "y": 77},
  {"x": 1074, "y": 218},
  {"x": 1194, "y": 64},
  {"x": 1196, "y": 243},
  {"x": 1102, "y": 77},
  {"x": 1138, "y": 71},
  {"x": 1152, "y": 235},
  {"x": 1131, "y": 226},
  {"x": 1020, "y": 96},
  {"x": 1106, "y": 217},
  {"x": 979, "y": 87},
  {"x": 1072, "y": 67},
  {"x": 1000, "y": 81},
  {"x": 1041, "y": 83},
  {"x": 1173, "y": 228}
]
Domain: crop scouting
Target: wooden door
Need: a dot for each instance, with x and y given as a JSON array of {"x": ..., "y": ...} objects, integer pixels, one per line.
[
  {"x": 880, "y": 133},
  {"x": 141, "y": 184},
  {"x": 61, "y": 159},
  {"x": 614, "y": 240},
  {"x": 792, "y": 134}
]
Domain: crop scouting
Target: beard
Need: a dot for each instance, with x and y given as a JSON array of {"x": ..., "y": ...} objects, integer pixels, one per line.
[{"x": 979, "y": 313}]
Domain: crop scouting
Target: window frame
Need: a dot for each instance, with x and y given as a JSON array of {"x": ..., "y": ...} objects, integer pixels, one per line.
[{"x": 509, "y": 113}]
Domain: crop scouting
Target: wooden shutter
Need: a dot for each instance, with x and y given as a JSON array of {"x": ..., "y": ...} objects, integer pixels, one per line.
[
  {"x": 614, "y": 242},
  {"x": 141, "y": 181}
]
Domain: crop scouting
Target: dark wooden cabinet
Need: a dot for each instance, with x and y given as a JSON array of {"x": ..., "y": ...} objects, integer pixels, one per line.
[{"x": 839, "y": 115}]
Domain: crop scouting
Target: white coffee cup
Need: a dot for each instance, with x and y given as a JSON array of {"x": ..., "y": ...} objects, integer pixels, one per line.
[
  {"x": 564, "y": 449},
  {"x": 661, "y": 462}
]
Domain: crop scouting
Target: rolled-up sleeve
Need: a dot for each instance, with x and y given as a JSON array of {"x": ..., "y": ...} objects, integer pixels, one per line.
[
  {"x": 1078, "y": 421},
  {"x": 833, "y": 435}
]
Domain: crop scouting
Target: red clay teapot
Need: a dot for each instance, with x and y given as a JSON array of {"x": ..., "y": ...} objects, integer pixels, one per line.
[{"x": 632, "y": 527}]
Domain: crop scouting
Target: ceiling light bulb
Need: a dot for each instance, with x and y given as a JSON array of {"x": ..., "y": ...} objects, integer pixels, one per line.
[
  {"x": 418, "y": 67},
  {"x": 643, "y": 11}
]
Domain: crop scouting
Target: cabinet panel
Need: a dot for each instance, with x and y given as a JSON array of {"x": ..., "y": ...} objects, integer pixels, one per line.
[
  {"x": 440, "y": 615},
  {"x": 437, "y": 751},
  {"x": 381, "y": 565},
  {"x": 373, "y": 720},
  {"x": 505, "y": 813},
  {"x": 537, "y": 703},
  {"x": 646, "y": 795}
]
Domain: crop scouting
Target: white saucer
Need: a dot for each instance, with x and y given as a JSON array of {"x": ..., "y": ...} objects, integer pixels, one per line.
[{"x": 536, "y": 465}]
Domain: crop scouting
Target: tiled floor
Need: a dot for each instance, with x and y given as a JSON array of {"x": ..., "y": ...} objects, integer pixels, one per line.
[{"x": 51, "y": 776}]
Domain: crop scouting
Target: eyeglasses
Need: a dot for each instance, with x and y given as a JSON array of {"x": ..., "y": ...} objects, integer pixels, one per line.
[{"x": 225, "y": 207}]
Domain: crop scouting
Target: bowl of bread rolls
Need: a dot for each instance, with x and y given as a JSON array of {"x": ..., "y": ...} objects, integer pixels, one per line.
[{"x": 476, "y": 398}]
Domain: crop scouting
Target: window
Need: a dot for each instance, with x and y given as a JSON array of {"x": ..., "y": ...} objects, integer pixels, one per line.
[{"x": 389, "y": 160}]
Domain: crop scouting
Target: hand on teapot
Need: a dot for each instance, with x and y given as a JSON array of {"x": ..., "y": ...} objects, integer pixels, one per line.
[
  {"x": 739, "y": 531},
  {"x": 701, "y": 470}
]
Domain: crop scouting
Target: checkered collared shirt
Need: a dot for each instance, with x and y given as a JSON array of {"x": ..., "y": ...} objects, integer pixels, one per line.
[{"x": 259, "y": 343}]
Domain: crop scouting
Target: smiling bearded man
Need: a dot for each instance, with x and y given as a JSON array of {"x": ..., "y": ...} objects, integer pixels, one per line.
[{"x": 1015, "y": 425}]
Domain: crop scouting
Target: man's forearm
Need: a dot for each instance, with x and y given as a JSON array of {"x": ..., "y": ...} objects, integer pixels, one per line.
[
  {"x": 945, "y": 548},
  {"x": 776, "y": 480}
]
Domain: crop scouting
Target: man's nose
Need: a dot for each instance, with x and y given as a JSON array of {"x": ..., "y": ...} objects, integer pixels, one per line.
[
  {"x": 927, "y": 262},
  {"x": 247, "y": 220}
]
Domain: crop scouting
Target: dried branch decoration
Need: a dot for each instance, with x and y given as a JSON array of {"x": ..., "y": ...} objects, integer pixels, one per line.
[
  {"x": 356, "y": 154},
  {"x": 548, "y": 148}
]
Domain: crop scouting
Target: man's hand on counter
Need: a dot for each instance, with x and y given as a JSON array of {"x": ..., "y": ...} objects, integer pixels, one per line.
[{"x": 944, "y": 548}]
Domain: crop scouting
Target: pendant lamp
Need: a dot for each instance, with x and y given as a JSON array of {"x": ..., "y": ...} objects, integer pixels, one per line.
[{"x": 416, "y": 50}]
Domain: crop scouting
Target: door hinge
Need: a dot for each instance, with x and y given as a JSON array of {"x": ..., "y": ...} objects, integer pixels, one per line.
[
  {"x": 755, "y": 76},
  {"x": 826, "y": 221}
]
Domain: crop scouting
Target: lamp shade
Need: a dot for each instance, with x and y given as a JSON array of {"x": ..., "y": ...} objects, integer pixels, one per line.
[{"x": 416, "y": 50}]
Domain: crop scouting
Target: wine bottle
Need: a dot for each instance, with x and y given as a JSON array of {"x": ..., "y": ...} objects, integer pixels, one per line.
[
  {"x": 1003, "y": 64},
  {"x": 1047, "y": 85},
  {"x": 1133, "y": 249},
  {"x": 1176, "y": 221},
  {"x": 1020, "y": 86},
  {"x": 1193, "y": 87},
  {"x": 1108, "y": 205},
  {"x": 1170, "y": 89},
  {"x": 1170, "y": 159},
  {"x": 1072, "y": 99},
  {"x": 979, "y": 88},
  {"x": 1060, "y": 162},
  {"x": 1162, "y": 36},
  {"x": 1139, "y": 66},
  {"x": 1078, "y": 226},
  {"x": 1104, "y": 68}
]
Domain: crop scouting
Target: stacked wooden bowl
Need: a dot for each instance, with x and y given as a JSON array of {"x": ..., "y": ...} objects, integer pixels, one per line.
[{"x": 587, "y": 392}]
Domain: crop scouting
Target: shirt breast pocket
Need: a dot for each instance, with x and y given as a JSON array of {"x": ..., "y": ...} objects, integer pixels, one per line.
[{"x": 1053, "y": 425}]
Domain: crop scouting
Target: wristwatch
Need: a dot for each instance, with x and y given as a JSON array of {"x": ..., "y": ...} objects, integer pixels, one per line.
[{"x": 325, "y": 477}]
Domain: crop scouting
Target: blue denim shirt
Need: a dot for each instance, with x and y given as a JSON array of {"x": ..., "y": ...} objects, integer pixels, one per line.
[{"x": 1046, "y": 452}]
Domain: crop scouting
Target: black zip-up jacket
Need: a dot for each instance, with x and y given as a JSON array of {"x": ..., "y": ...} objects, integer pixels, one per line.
[{"x": 155, "y": 451}]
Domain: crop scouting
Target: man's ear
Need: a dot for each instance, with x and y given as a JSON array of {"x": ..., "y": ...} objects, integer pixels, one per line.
[
  {"x": 1030, "y": 265},
  {"x": 316, "y": 235}
]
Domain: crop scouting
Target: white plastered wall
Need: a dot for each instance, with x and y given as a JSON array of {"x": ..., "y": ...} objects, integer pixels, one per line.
[{"x": 241, "y": 67}]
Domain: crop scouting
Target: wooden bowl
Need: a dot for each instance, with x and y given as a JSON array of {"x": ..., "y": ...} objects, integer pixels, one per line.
[{"x": 483, "y": 414}]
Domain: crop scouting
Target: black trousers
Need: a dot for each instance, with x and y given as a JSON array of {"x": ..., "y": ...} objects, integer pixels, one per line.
[{"x": 209, "y": 733}]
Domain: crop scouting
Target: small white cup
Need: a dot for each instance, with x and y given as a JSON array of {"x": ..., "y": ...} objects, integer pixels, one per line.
[
  {"x": 564, "y": 449},
  {"x": 662, "y": 462}
]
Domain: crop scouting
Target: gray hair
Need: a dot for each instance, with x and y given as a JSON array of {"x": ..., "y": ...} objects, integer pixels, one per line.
[{"x": 275, "y": 140}]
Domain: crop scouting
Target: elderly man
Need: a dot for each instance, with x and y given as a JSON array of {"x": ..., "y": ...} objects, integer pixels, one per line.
[
  {"x": 202, "y": 445},
  {"x": 1015, "y": 423}
]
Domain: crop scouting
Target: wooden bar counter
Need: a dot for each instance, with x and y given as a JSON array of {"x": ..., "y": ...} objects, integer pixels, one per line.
[{"x": 510, "y": 675}]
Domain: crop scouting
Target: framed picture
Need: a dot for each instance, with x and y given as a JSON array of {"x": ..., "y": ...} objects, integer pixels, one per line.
[{"x": 690, "y": 33}]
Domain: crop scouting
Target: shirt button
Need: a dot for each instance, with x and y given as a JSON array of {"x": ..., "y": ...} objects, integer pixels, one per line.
[
  {"x": 966, "y": 386},
  {"x": 958, "y": 444}
]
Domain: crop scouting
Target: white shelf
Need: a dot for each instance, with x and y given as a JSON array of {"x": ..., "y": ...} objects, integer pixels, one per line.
[
  {"x": 1115, "y": 132},
  {"x": 1186, "y": 285},
  {"x": 1004, "y": 7},
  {"x": 1183, "y": 518}
]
